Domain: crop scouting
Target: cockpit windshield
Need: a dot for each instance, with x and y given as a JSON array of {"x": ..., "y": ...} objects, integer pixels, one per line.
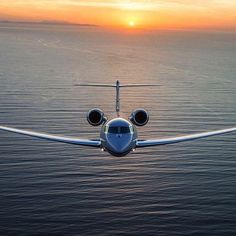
[{"x": 119, "y": 130}]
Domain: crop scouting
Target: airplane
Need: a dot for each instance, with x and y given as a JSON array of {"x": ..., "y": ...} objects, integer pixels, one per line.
[{"x": 118, "y": 136}]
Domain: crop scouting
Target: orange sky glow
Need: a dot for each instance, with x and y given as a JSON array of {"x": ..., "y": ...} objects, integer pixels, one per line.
[{"x": 147, "y": 14}]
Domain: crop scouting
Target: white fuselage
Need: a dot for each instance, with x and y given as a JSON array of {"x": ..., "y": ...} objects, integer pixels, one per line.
[{"x": 118, "y": 137}]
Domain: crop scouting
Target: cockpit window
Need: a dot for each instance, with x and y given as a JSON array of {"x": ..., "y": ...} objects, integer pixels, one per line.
[
  {"x": 124, "y": 129},
  {"x": 113, "y": 130},
  {"x": 119, "y": 130}
]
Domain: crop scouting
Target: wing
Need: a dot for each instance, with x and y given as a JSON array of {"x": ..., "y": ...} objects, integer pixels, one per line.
[
  {"x": 62, "y": 139},
  {"x": 156, "y": 142}
]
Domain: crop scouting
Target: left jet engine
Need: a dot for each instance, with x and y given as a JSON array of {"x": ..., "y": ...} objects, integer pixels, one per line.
[{"x": 95, "y": 117}]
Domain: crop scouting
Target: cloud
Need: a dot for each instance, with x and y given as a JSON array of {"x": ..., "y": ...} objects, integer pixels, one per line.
[
  {"x": 133, "y": 4},
  {"x": 145, "y": 5}
]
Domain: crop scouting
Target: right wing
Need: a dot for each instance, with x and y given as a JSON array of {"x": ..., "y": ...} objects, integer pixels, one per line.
[
  {"x": 62, "y": 139},
  {"x": 165, "y": 141}
]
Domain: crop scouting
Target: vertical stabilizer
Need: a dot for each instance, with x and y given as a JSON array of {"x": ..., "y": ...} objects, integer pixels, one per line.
[{"x": 117, "y": 86}]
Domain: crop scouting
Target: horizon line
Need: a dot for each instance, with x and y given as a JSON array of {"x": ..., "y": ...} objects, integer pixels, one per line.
[{"x": 67, "y": 23}]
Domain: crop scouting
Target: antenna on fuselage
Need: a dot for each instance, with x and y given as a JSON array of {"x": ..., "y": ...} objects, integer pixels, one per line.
[{"x": 117, "y": 86}]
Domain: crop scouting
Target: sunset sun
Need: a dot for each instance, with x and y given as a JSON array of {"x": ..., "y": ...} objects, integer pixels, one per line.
[{"x": 132, "y": 23}]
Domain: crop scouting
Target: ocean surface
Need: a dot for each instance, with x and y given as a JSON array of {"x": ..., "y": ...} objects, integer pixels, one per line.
[{"x": 49, "y": 188}]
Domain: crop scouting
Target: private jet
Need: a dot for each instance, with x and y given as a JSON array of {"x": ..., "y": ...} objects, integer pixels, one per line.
[{"x": 118, "y": 136}]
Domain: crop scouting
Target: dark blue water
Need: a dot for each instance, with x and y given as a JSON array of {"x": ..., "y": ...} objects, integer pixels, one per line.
[{"x": 58, "y": 189}]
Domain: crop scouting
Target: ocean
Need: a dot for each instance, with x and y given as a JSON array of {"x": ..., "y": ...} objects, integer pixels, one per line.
[{"x": 57, "y": 189}]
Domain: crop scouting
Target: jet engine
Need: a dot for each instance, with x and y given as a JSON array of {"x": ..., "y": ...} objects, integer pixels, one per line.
[
  {"x": 139, "y": 117},
  {"x": 95, "y": 117}
]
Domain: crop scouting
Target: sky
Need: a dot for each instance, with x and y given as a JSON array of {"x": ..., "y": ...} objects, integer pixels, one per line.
[{"x": 158, "y": 14}]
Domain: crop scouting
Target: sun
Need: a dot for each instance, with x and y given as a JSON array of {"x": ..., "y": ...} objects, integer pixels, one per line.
[{"x": 131, "y": 23}]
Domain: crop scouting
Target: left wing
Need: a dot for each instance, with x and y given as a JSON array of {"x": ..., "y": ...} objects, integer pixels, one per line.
[
  {"x": 62, "y": 139},
  {"x": 157, "y": 142}
]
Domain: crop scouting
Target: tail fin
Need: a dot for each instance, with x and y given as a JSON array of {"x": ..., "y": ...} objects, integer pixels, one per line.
[{"x": 117, "y": 86}]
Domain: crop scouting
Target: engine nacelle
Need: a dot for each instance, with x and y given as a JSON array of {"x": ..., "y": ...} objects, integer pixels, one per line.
[
  {"x": 139, "y": 117},
  {"x": 95, "y": 117}
]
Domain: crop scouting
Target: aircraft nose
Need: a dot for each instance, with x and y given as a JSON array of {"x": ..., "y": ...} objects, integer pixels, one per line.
[{"x": 119, "y": 142}]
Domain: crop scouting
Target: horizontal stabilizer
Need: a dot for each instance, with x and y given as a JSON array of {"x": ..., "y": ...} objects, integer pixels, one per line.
[
  {"x": 117, "y": 86},
  {"x": 96, "y": 85}
]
